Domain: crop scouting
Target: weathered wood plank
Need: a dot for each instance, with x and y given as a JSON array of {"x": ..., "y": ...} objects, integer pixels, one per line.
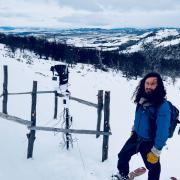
[
  {"x": 84, "y": 102},
  {"x": 55, "y": 105},
  {"x": 5, "y": 90},
  {"x": 31, "y": 135},
  {"x": 99, "y": 110},
  {"x": 106, "y": 125},
  {"x": 15, "y": 119},
  {"x": 75, "y": 131},
  {"x": 60, "y": 95},
  {"x": 29, "y": 92}
]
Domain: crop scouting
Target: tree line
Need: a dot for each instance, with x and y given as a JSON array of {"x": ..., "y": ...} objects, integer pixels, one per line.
[{"x": 132, "y": 65}]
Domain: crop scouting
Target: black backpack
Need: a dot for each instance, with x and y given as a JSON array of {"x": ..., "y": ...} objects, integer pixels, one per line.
[
  {"x": 174, "y": 119},
  {"x": 173, "y": 122}
]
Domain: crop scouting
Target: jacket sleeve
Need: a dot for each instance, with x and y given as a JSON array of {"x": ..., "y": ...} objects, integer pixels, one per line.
[{"x": 163, "y": 124}]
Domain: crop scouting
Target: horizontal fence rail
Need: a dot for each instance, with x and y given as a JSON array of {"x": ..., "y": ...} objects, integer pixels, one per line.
[
  {"x": 76, "y": 131},
  {"x": 29, "y": 92},
  {"x": 15, "y": 119},
  {"x": 84, "y": 102},
  {"x": 58, "y": 94}
]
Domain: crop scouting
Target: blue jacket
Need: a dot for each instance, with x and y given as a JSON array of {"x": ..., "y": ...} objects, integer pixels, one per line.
[{"x": 143, "y": 124}]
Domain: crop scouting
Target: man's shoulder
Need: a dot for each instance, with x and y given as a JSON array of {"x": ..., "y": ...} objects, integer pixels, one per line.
[{"x": 164, "y": 106}]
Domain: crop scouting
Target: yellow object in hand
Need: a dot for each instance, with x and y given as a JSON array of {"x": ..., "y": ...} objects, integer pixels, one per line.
[{"x": 152, "y": 158}]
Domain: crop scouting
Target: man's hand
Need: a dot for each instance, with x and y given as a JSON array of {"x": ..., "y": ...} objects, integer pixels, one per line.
[{"x": 152, "y": 158}]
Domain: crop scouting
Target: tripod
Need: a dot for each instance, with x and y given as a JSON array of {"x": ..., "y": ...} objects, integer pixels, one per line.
[{"x": 67, "y": 117}]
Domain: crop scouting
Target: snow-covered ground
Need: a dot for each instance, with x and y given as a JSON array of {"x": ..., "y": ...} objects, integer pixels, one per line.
[
  {"x": 158, "y": 40},
  {"x": 82, "y": 162}
]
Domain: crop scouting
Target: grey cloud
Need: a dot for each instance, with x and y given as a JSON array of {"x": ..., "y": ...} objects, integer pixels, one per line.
[
  {"x": 121, "y": 5},
  {"x": 145, "y": 5},
  {"x": 105, "y": 13},
  {"x": 80, "y": 4},
  {"x": 90, "y": 20},
  {"x": 13, "y": 15}
]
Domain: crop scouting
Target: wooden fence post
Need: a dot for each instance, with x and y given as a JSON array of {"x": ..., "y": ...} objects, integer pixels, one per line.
[
  {"x": 31, "y": 135},
  {"x": 99, "y": 110},
  {"x": 5, "y": 91},
  {"x": 106, "y": 125},
  {"x": 56, "y": 105}
]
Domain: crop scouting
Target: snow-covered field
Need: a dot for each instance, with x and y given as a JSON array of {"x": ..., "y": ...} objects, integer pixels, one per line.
[
  {"x": 131, "y": 40},
  {"x": 51, "y": 161}
]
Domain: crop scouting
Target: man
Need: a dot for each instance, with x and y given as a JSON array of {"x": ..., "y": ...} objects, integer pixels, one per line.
[{"x": 150, "y": 130}]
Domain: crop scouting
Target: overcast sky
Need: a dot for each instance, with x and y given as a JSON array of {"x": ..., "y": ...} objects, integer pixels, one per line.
[{"x": 90, "y": 13}]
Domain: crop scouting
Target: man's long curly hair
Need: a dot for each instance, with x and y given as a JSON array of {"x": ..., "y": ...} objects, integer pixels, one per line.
[{"x": 159, "y": 93}]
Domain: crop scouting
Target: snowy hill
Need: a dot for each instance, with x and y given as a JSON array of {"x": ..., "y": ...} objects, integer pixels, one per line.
[
  {"x": 158, "y": 47},
  {"x": 126, "y": 40},
  {"x": 82, "y": 162}
]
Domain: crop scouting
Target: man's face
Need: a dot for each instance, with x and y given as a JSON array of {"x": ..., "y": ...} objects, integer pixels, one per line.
[{"x": 150, "y": 85}]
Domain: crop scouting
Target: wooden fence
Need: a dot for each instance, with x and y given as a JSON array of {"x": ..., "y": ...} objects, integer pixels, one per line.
[{"x": 32, "y": 123}]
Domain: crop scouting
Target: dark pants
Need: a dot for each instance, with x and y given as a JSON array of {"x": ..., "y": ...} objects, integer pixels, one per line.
[{"x": 133, "y": 146}]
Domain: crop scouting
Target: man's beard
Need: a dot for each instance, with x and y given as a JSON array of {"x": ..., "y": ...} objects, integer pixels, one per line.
[{"x": 151, "y": 96}]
